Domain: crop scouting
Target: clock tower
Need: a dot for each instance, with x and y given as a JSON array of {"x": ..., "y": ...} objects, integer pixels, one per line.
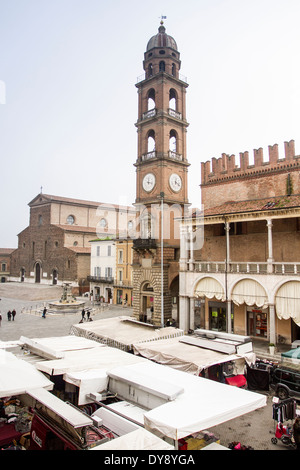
[{"x": 161, "y": 180}]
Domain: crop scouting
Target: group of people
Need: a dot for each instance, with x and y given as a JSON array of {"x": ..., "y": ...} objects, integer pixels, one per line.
[
  {"x": 10, "y": 315},
  {"x": 88, "y": 313}
]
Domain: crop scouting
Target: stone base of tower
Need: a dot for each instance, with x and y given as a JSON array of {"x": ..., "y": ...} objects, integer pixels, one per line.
[{"x": 147, "y": 295}]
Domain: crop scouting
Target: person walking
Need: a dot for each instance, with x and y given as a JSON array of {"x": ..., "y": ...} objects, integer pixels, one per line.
[
  {"x": 0, "y": 319},
  {"x": 44, "y": 312},
  {"x": 8, "y": 315},
  {"x": 88, "y": 315},
  {"x": 13, "y": 314},
  {"x": 83, "y": 315}
]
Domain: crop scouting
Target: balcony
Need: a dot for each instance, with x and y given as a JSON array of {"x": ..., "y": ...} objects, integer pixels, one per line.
[
  {"x": 174, "y": 113},
  {"x": 103, "y": 280},
  {"x": 149, "y": 114},
  {"x": 149, "y": 156},
  {"x": 247, "y": 268},
  {"x": 175, "y": 156},
  {"x": 144, "y": 244}
]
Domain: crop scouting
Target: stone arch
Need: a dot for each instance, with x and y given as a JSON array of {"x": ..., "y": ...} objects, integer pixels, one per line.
[{"x": 37, "y": 272}]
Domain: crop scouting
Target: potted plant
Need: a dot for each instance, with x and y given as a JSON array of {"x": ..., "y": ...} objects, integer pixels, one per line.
[{"x": 272, "y": 348}]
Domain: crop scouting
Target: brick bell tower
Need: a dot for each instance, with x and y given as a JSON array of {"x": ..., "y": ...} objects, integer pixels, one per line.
[{"x": 161, "y": 181}]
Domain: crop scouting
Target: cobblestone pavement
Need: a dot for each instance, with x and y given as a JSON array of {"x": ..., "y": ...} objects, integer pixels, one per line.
[{"x": 253, "y": 429}]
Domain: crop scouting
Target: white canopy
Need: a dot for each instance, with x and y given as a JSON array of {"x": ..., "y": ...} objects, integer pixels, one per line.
[
  {"x": 186, "y": 357},
  {"x": 122, "y": 332},
  {"x": 18, "y": 377},
  {"x": 103, "y": 357},
  {"x": 203, "y": 404},
  {"x": 140, "y": 439}
]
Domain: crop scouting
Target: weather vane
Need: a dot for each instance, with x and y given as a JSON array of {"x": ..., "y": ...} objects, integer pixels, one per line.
[{"x": 162, "y": 18}]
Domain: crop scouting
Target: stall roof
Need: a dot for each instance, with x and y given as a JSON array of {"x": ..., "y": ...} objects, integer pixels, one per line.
[
  {"x": 103, "y": 357},
  {"x": 176, "y": 353},
  {"x": 122, "y": 332},
  {"x": 69, "y": 413},
  {"x": 18, "y": 377},
  {"x": 140, "y": 439},
  {"x": 198, "y": 407}
]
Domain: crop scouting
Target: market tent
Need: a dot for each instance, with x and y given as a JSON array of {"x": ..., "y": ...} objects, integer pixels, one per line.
[
  {"x": 103, "y": 357},
  {"x": 18, "y": 377},
  {"x": 204, "y": 403},
  {"x": 122, "y": 332},
  {"x": 140, "y": 439},
  {"x": 87, "y": 381},
  {"x": 187, "y": 357},
  {"x": 293, "y": 355}
]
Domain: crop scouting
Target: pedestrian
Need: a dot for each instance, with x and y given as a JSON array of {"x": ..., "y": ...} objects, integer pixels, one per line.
[
  {"x": 83, "y": 315},
  {"x": 13, "y": 314},
  {"x": 296, "y": 429},
  {"x": 88, "y": 315},
  {"x": 44, "y": 312},
  {"x": 0, "y": 318},
  {"x": 8, "y": 315}
]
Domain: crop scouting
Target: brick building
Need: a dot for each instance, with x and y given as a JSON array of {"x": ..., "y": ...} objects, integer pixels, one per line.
[
  {"x": 5, "y": 254},
  {"x": 55, "y": 247},
  {"x": 245, "y": 277}
]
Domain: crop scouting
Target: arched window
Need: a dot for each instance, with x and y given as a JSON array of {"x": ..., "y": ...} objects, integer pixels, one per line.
[
  {"x": 151, "y": 99},
  {"x": 173, "y": 99},
  {"x": 151, "y": 141},
  {"x": 162, "y": 66},
  {"x": 173, "y": 141},
  {"x": 150, "y": 70},
  {"x": 174, "y": 70}
]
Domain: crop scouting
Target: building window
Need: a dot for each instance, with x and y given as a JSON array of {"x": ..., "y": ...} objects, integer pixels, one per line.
[
  {"x": 109, "y": 250},
  {"x": 120, "y": 258},
  {"x": 97, "y": 271},
  {"x": 108, "y": 272},
  {"x": 98, "y": 250},
  {"x": 120, "y": 275},
  {"x": 3, "y": 267},
  {"x": 75, "y": 243},
  {"x": 40, "y": 219},
  {"x": 70, "y": 219},
  {"x": 162, "y": 66},
  {"x": 103, "y": 223}
]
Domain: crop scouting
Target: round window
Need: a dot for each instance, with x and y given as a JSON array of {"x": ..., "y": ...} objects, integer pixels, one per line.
[
  {"x": 70, "y": 219},
  {"x": 103, "y": 223}
]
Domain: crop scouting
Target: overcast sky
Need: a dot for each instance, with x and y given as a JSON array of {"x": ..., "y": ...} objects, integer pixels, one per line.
[{"x": 68, "y": 101}]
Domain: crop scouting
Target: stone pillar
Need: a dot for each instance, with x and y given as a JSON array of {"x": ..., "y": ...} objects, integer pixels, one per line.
[
  {"x": 183, "y": 249},
  {"x": 192, "y": 313},
  {"x": 184, "y": 309},
  {"x": 191, "y": 243},
  {"x": 227, "y": 229},
  {"x": 272, "y": 332},
  {"x": 270, "y": 246},
  {"x": 229, "y": 323}
]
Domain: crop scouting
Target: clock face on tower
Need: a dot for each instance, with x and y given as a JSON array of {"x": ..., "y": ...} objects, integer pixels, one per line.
[
  {"x": 148, "y": 182},
  {"x": 175, "y": 182}
]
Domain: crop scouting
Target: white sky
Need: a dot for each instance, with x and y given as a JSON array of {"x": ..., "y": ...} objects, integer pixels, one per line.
[{"x": 70, "y": 67}]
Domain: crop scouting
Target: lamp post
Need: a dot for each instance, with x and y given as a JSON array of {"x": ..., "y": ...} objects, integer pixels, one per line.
[{"x": 162, "y": 195}]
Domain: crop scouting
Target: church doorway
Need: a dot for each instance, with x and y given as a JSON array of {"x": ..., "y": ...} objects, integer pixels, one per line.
[{"x": 37, "y": 273}]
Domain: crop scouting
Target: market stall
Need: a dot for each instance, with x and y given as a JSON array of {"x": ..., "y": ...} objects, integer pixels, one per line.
[{"x": 122, "y": 332}]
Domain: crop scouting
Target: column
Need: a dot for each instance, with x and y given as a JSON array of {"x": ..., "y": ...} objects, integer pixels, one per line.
[
  {"x": 184, "y": 313},
  {"x": 192, "y": 313},
  {"x": 191, "y": 243},
  {"x": 229, "y": 325},
  {"x": 227, "y": 229},
  {"x": 183, "y": 249},
  {"x": 270, "y": 246},
  {"x": 272, "y": 332}
]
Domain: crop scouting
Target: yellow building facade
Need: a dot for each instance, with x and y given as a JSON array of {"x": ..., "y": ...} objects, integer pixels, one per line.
[{"x": 123, "y": 276}]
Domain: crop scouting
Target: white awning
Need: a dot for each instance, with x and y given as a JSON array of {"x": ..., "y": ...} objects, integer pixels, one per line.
[
  {"x": 210, "y": 288},
  {"x": 140, "y": 439},
  {"x": 88, "y": 381},
  {"x": 18, "y": 377},
  {"x": 287, "y": 301},
  {"x": 70, "y": 414},
  {"x": 249, "y": 292},
  {"x": 199, "y": 407}
]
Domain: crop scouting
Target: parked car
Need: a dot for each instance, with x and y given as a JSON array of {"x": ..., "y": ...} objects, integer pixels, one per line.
[{"x": 285, "y": 380}]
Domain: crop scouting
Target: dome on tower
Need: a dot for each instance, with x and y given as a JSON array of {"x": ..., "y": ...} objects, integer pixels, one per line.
[{"x": 161, "y": 39}]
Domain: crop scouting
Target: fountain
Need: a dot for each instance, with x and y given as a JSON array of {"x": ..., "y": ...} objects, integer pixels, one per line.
[{"x": 67, "y": 302}]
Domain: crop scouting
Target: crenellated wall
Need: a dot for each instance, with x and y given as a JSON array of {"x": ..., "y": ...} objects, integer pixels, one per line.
[{"x": 223, "y": 179}]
